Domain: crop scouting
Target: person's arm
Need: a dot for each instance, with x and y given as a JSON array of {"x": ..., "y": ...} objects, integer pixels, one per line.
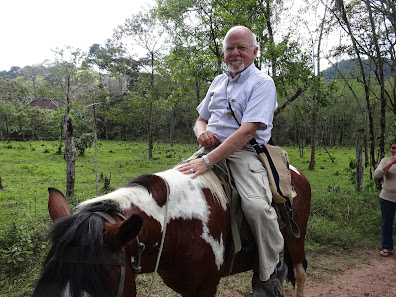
[
  {"x": 205, "y": 138},
  {"x": 389, "y": 165},
  {"x": 383, "y": 167},
  {"x": 233, "y": 143}
]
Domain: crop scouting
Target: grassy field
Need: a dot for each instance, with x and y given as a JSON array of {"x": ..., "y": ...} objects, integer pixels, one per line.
[{"x": 341, "y": 219}]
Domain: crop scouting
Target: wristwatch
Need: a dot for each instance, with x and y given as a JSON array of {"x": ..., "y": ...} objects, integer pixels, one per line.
[{"x": 206, "y": 160}]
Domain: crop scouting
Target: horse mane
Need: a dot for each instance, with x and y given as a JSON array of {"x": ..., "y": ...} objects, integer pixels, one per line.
[
  {"x": 78, "y": 234},
  {"x": 215, "y": 187}
]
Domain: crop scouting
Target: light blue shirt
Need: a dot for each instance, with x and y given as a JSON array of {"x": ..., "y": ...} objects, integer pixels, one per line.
[{"x": 252, "y": 95}]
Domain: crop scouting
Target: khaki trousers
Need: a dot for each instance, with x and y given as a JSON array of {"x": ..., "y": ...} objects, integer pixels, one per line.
[{"x": 251, "y": 180}]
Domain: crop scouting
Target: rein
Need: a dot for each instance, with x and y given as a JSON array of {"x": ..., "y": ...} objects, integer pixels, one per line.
[
  {"x": 162, "y": 239},
  {"x": 111, "y": 221}
]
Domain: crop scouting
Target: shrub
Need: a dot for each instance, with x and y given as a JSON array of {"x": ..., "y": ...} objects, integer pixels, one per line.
[{"x": 83, "y": 142}]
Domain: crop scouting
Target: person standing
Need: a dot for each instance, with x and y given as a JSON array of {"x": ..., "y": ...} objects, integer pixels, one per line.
[
  {"x": 387, "y": 170},
  {"x": 251, "y": 95}
]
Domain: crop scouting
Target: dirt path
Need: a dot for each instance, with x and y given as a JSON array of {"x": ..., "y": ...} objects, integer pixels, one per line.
[
  {"x": 363, "y": 273},
  {"x": 339, "y": 275},
  {"x": 376, "y": 278}
]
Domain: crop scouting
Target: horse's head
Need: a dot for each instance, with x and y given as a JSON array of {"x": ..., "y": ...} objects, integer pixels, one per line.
[{"x": 87, "y": 254}]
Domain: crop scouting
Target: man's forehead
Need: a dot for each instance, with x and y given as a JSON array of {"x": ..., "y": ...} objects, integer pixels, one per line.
[{"x": 240, "y": 36}]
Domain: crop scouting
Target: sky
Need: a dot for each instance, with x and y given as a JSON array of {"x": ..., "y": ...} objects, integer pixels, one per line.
[{"x": 30, "y": 29}]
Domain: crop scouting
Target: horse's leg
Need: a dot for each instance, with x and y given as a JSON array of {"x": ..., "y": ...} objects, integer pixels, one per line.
[
  {"x": 295, "y": 252},
  {"x": 295, "y": 247},
  {"x": 300, "y": 275}
]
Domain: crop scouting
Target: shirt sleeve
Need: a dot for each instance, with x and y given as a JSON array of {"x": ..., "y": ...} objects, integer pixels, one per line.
[
  {"x": 379, "y": 172},
  {"x": 203, "y": 107},
  {"x": 262, "y": 103}
]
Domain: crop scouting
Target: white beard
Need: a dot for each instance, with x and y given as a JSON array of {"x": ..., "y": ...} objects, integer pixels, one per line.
[{"x": 232, "y": 69}]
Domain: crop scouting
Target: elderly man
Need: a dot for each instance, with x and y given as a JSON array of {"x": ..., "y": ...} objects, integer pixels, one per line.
[{"x": 251, "y": 95}]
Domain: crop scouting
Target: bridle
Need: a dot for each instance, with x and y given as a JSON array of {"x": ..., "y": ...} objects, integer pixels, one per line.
[{"x": 109, "y": 257}]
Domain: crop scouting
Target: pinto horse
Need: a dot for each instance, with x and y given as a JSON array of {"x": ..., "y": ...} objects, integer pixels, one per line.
[{"x": 186, "y": 232}]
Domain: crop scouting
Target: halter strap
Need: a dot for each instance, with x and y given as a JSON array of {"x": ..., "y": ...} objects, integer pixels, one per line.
[
  {"x": 111, "y": 221},
  {"x": 109, "y": 257}
]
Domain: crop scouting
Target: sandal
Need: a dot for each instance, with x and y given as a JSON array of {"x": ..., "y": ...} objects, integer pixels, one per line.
[{"x": 385, "y": 253}]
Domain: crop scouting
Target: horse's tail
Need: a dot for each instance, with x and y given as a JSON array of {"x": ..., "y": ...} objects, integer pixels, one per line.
[{"x": 290, "y": 266}]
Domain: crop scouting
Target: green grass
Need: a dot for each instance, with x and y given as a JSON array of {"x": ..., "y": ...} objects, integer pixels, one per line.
[{"x": 340, "y": 220}]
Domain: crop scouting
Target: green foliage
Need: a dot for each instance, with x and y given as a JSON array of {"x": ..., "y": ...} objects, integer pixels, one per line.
[
  {"x": 340, "y": 217},
  {"x": 17, "y": 245},
  {"x": 12, "y": 91},
  {"x": 352, "y": 170},
  {"x": 83, "y": 142}
]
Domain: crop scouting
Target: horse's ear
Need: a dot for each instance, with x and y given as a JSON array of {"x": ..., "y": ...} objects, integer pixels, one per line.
[
  {"x": 58, "y": 206},
  {"x": 130, "y": 228},
  {"x": 117, "y": 235}
]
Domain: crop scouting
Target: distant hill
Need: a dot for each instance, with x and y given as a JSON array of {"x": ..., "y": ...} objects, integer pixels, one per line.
[{"x": 350, "y": 68}]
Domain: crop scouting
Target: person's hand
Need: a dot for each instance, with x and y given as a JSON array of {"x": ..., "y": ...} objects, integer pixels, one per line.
[
  {"x": 194, "y": 167},
  {"x": 207, "y": 139},
  {"x": 393, "y": 160}
]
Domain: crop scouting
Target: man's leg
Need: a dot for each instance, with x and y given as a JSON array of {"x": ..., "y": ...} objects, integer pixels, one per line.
[{"x": 256, "y": 198}]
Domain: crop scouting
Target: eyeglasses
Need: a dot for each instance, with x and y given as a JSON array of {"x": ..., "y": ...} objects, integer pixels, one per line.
[{"x": 240, "y": 48}]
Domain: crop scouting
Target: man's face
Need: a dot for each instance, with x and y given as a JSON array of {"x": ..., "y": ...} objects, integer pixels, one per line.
[{"x": 239, "y": 51}]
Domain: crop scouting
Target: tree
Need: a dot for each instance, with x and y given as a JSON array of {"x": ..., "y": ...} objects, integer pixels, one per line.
[
  {"x": 197, "y": 28},
  {"x": 13, "y": 91},
  {"x": 6, "y": 111},
  {"x": 22, "y": 119},
  {"x": 366, "y": 43},
  {"x": 145, "y": 31},
  {"x": 68, "y": 80},
  {"x": 114, "y": 58}
]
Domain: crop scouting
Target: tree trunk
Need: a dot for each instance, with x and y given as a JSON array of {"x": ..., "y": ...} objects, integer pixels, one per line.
[
  {"x": 61, "y": 139},
  {"x": 150, "y": 132},
  {"x": 70, "y": 154},
  {"x": 381, "y": 81},
  {"x": 314, "y": 133},
  {"x": 366, "y": 156},
  {"x": 349, "y": 31},
  {"x": 359, "y": 164},
  {"x": 96, "y": 150}
]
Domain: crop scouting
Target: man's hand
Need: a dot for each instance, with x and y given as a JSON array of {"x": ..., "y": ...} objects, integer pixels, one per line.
[
  {"x": 194, "y": 167},
  {"x": 207, "y": 139}
]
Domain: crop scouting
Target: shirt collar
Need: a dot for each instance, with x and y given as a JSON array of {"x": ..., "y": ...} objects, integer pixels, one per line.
[{"x": 241, "y": 77}]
